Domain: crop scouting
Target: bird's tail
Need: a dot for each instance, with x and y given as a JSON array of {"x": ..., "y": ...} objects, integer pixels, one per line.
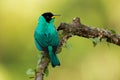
[{"x": 53, "y": 57}]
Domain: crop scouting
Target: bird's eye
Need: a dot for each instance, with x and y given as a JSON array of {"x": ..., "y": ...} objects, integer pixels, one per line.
[{"x": 47, "y": 16}]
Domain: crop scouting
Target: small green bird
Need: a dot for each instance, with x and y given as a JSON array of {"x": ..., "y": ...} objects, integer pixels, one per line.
[{"x": 46, "y": 37}]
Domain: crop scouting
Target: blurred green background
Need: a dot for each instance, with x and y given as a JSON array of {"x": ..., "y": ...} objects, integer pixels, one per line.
[{"x": 18, "y": 19}]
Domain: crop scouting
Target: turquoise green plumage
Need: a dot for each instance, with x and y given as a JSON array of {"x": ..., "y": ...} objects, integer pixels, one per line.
[{"x": 46, "y": 37}]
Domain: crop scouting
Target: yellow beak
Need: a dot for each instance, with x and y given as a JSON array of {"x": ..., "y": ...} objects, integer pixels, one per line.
[{"x": 54, "y": 16}]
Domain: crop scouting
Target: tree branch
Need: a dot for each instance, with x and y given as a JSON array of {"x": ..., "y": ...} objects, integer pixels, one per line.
[
  {"x": 76, "y": 28},
  {"x": 81, "y": 30},
  {"x": 42, "y": 66}
]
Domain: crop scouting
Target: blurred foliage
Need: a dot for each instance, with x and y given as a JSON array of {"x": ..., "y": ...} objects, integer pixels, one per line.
[
  {"x": 95, "y": 41},
  {"x": 18, "y": 19}
]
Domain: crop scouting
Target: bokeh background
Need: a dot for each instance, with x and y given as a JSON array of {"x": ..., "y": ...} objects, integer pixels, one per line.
[{"x": 81, "y": 61}]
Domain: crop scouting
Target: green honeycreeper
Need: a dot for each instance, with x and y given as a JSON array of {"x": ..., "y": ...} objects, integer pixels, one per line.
[{"x": 46, "y": 37}]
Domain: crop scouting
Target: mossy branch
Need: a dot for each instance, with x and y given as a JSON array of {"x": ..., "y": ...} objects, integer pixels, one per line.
[{"x": 76, "y": 28}]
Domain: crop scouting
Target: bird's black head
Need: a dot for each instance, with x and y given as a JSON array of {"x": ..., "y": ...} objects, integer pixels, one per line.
[{"x": 47, "y": 16}]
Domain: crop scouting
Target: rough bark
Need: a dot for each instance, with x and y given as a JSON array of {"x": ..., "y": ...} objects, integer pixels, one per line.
[{"x": 76, "y": 28}]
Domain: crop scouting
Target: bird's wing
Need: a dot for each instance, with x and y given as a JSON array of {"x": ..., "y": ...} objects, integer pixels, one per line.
[
  {"x": 53, "y": 35},
  {"x": 40, "y": 41},
  {"x": 39, "y": 37}
]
